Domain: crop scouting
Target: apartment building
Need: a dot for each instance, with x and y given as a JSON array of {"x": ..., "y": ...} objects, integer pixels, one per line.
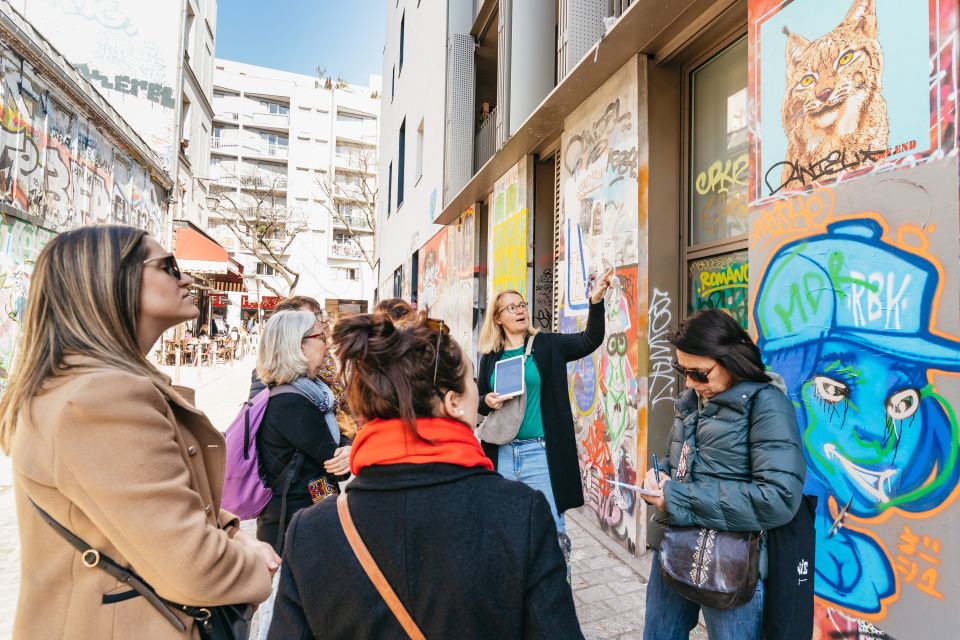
[
  {"x": 300, "y": 151},
  {"x": 791, "y": 162}
]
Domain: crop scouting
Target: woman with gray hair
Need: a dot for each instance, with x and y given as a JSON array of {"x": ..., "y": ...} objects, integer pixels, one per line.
[
  {"x": 299, "y": 443},
  {"x": 301, "y": 451}
]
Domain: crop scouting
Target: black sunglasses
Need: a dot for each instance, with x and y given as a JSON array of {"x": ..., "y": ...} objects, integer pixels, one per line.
[
  {"x": 695, "y": 374},
  {"x": 442, "y": 330},
  {"x": 168, "y": 264}
]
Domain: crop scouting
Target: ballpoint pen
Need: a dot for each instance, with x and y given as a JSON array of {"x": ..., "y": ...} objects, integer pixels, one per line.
[{"x": 656, "y": 469}]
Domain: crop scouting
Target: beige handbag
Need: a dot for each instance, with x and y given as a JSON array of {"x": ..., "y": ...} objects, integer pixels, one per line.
[{"x": 503, "y": 424}]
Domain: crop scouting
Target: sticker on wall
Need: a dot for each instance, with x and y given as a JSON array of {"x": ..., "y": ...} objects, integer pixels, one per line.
[
  {"x": 577, "y": 302},
  {"x": 845, "y": 88}
]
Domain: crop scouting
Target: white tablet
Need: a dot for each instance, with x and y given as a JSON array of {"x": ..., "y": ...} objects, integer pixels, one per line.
[{"x": 508, "y": 377}]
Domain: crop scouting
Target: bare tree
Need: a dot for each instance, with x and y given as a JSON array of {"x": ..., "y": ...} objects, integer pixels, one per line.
[
  {"x": 263, "y": 223},
  {"x": 350, "y": 197}
]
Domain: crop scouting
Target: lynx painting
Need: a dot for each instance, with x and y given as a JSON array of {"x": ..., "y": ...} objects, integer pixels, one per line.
[{"x": 833, "y": 110}]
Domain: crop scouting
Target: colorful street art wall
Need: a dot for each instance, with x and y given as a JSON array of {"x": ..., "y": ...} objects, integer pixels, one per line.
[
  {"x": 510, "y": 231},
  {"x": 854, "y": 294},
  {"x": 57, "y": 166},
  {"x": 20, "y": 244},
  {"x": 448, "y": 280},
  {"x": 600, "y": 179}
]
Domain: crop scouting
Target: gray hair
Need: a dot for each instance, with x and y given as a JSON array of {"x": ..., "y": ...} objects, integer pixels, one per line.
[{"x": 280, "y": 358}]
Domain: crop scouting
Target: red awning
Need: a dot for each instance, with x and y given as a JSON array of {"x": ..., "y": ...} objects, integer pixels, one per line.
[{"x": 200, "y": 256}]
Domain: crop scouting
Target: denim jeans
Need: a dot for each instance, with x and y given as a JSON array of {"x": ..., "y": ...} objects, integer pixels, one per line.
[
  {"x": 670, "y": 616},
  {"x": 526, "y": 461}
]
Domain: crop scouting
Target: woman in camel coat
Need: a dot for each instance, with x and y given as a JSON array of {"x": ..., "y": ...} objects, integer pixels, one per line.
[{"x": 103, "y": 443}]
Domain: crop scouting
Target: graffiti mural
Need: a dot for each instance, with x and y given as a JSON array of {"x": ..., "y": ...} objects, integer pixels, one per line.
[
  {"x": 842, "y": 89},
  {"x": 509, "y": 232},
  {"x": 20, "y": 244},
  {"x": 447, "y": 280},
  {"x": 720, "y": 282},
  {"x": 846, "y": 312},
  {"x": 58, "y": 167},
  {"x": 601, "y": 168}
]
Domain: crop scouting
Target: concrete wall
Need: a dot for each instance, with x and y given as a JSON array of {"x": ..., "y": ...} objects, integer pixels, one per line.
[
  {"x": 854, "y": 299},
  {"x": 129, "y": 53},
  {"x": 602, "y": 160}
]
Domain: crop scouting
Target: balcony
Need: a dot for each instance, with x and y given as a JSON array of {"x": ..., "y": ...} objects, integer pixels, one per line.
[
  {"x": 345, "y": 250},
  {"x": 267, "y": 150},
  {"x": 264, "y": 181},
  {"x": 485, "y": 144},
  {"x": 229, "y": 116},
  {"x": 226, "y": 181},
  {"x": 357, "y": 223},
  {"x": 265, "y": 119}
]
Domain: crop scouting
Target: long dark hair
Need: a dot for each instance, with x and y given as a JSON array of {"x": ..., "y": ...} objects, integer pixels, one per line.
[
  {"x": 388, "y": 366},
  {"x": 715, "y": 334}
]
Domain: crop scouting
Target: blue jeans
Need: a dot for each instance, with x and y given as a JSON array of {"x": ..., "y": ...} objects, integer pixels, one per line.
[
  {"x": 526, "y": 461},
  {"x": 670, "y": 616}
]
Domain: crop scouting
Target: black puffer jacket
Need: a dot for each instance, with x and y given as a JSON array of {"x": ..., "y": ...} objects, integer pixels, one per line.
[
  {"x": 745, "y": 464},
  {"x": 471, "y": 556},
  {"x": 551, "y": 353}
]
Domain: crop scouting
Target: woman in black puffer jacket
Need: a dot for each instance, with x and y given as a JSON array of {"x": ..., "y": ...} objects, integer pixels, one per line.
[{"x": 744, "y": 470}]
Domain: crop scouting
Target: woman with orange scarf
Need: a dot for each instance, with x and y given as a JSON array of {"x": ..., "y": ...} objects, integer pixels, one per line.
[{"x": 463, "y": 552}]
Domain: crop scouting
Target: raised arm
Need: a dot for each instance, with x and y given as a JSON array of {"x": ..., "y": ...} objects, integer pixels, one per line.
[{"x": 573, "y": 346}]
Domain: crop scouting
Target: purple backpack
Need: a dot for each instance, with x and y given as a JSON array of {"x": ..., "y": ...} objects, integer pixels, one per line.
[{"x": 245, "y": 494}]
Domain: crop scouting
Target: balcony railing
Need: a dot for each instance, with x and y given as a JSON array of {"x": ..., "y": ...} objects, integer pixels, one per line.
[
  {"x": 486, "y": 142},
  {"x": 271, "y": 150},
  {"x": 263, "y": 181},
  {"x": 346, "y": 249},
  {"x": 355, "y": 222},
  {"x": 270, "y": 119},
  {"x": 233, "y": 116}
]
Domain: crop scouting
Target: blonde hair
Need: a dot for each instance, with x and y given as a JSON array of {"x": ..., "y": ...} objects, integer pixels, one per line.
[
  {"x": 84, "y": 300},
  {"x": 492, "y": 338},
  {"x": 280, "y": 357}
]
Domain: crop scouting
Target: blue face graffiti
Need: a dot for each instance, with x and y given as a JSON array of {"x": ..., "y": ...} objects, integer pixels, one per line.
[{"x": 845, "y": 318}]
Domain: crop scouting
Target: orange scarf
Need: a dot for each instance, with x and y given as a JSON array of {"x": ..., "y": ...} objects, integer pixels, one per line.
[{"x": 390, "y": 442}]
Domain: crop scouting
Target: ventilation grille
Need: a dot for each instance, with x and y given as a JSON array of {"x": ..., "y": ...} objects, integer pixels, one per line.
[
  {"x": 584, "y": 27},
  {"x": 557, "y": 230},
  {"x": 459, "y": 139}
]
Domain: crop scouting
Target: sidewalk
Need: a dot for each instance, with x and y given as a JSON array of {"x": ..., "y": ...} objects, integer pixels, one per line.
[{"x": 609, "y": 585}]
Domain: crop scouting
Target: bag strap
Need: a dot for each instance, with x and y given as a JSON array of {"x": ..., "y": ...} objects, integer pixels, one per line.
[
  {"x": 292, "y": 468},
  {"x": 526, "y": 353},
  {"x": 373, "y": 572},
  {"x": 92, "y": 558}
]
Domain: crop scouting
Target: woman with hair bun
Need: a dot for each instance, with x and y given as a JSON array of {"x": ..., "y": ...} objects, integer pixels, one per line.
[{"x": 467, "y": 553}]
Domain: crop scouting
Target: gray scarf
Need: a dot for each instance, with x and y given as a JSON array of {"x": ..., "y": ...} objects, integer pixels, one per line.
[{"x": 320, "y": 395}]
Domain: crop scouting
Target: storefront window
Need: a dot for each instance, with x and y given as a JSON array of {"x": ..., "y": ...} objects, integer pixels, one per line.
[
  {"x": 720, "y": 282},
  {"x": 718, "y": 149}
]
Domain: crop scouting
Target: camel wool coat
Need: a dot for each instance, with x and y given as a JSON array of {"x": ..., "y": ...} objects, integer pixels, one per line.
[{"x": 136, "y": 471}]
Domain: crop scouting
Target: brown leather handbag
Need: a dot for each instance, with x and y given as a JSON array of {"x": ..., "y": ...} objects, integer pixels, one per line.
[{"x": 716, "y": 569}]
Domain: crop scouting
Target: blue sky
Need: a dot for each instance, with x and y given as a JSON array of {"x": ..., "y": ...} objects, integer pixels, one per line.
[{"x": 345, "y": 36}]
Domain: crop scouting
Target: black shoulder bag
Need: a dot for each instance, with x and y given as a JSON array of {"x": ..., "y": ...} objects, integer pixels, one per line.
[{"x": 226, "y": 622}]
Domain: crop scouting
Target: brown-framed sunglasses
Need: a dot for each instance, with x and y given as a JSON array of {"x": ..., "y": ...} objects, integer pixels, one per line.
[{"x": 168, "y": 264}]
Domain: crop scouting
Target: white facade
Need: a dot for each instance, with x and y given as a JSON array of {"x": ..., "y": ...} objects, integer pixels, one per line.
[
  {"x": 414, "y": 97},
  {"x": 293, "y": 133}
]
